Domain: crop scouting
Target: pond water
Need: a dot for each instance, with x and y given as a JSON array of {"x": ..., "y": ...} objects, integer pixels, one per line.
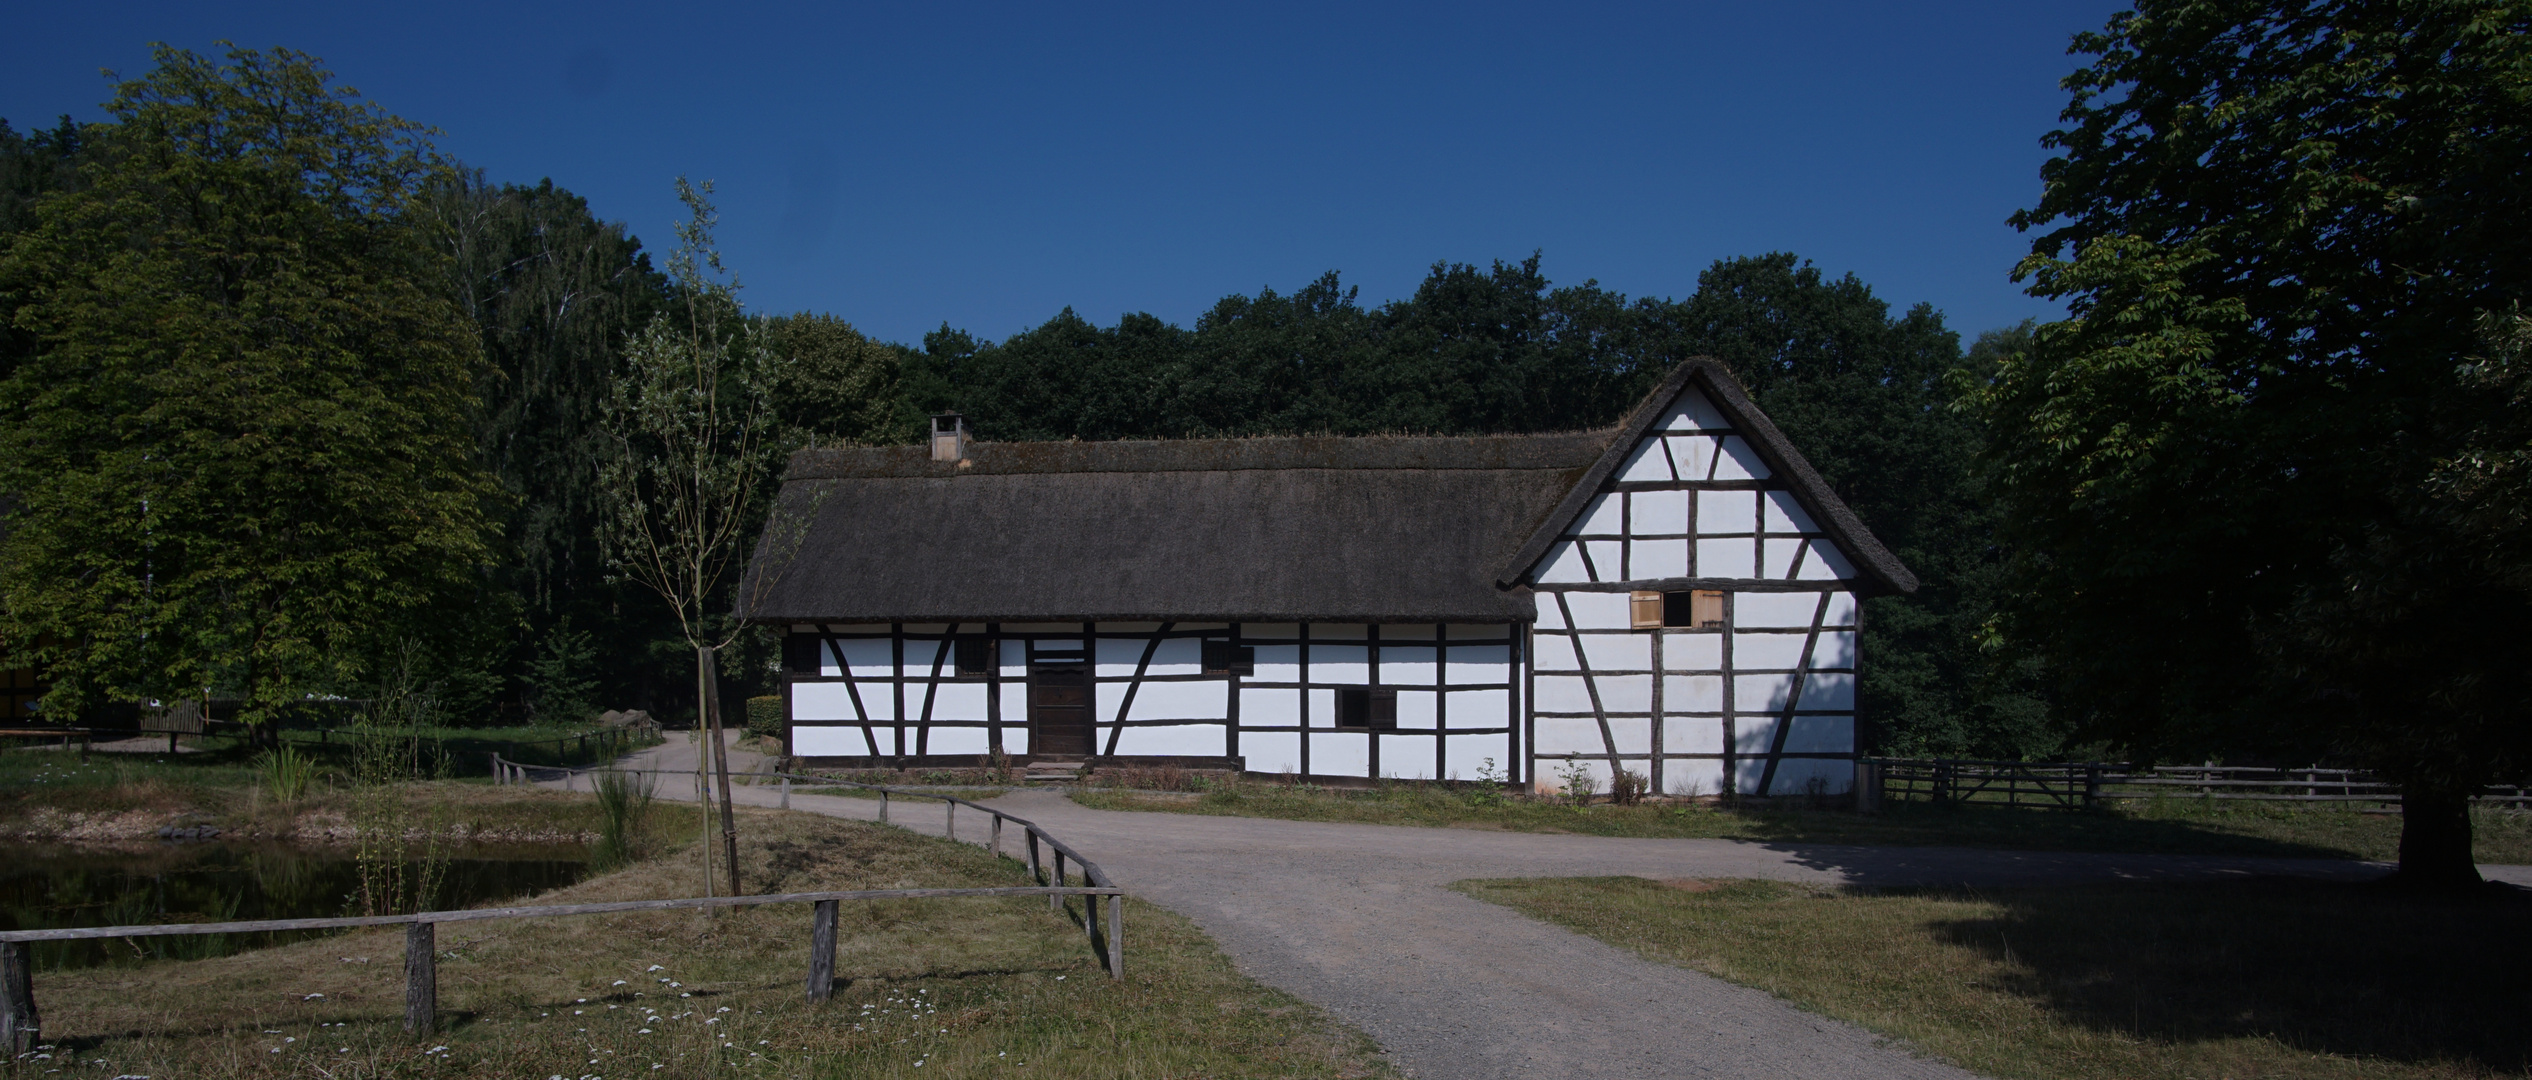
[{"x": 48, "y": 887}]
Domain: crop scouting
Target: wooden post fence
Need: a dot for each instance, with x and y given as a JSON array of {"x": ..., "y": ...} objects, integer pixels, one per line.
[
  {"x": 19, "y": 1023},
  {"x": 822, "y": 950}
]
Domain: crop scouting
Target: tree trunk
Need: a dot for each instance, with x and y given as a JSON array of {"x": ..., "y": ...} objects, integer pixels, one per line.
[
  {"x": 2435, "y": 840},
  {"x": 721, "y": 764}
]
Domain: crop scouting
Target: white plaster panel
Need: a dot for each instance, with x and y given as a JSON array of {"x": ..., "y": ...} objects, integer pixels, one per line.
[
  {"x": 1618, "y": 652},
  {"x": 1755, "y": 651},
  {"x": 1177, "y": 740},
  {"x": 956, "y": 740},
  {"x": 1415, "y": 709},
  {"x": 1632, "y": 734},
  {"x": 955, "y": 701},
  {"x": 1794, "y": 775},
  {"x": 1340, "y": 753},
  {"x": 1482, "y": 708},
  {"x": 1751, "y": 771},
  {"x": 1015, "y": 738},
  {"x": 1270, "y": 708},
  {"x": 1841, "y": 609},
  {"x": 1566, "y": 735},
  {"x": 1553, "y": 771},
  {"x": 1405, "y": 665},
  {"x": 1599, "y": 610},
  {"x": 1407, "y": 757},
  {"x": 1692, "y": 734},
  {"x": 1821, "y": 735},
  {"x": 867, "y": 656},
  {"x": 1760, "y": 693},
  {"x": 1734, "y": 558},
  {"x": 1692, "y": 652},
  {"x": 1785, "y": 514},
  {"x": 1827, "y": 690},
  {"x": 1691, "y": 455},
  {"x": 1322, "y": 708},
  {"x": 1551, "y": 616},
  {"x": 1691, "y": 779},
  {"x": 1478, "y": 632},
  {"x": 1692, "y": 693},
  {"x": 1270, "y": 631},
  {"x": 1466, "y": 757},
  {"x": 1647, "y": 465},
  {"x": 1340, "y": 663},
  {"x": 811, "y": 701},
  {"x": 1781, "y": 556},
  {"x": 1726, "y": 512},
  {"x": 1624, "y": 693},
  {"x": 922, "y": 655},
  {"x": 1692, "y": 412},
  {"x": 1659, "y": 513},
  {"x": 823, "y": 741},
  {"x": 1562, "y": 693},
  {"x": 1836, "y": 649},
  {"x": 1552, "y": 652},
  {"x": 1739, "y": 462},
  {"x": 1206, "y": 700},
  {"x": 1048, "y": 645},
  {"x": 1604, "y": 561},
  {"x": 1754, "y": 734},
  {"x": 1824, "y": 562},
  {"x": 1278, "y": 663},
  {"x": 1271, "y": 751},
  {"x": 1011, "y": 653},
  {"x": 1652, "y": 560},
  {"x": 1479, "y": 664},
  {"x": 1178, "y": 656},
  {"x": 828, "y": 664},
  {"x": 1118, "y": 657},
  {"x": 1601, "y": 517},
  {"x": 1759, "y": 610}
]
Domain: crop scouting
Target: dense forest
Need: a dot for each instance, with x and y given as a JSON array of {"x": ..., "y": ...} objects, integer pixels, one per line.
[{"x": 289, "y": 400}]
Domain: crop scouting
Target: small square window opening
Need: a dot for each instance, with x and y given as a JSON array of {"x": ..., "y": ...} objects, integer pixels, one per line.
[{"x": 1366, "y": 707}]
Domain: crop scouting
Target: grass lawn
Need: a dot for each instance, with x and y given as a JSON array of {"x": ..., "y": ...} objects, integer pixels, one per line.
[
  {"x": 2272, "y": 978},
  {"x": 932, "y": 988},
  {"x": 2177, "y": 826}
]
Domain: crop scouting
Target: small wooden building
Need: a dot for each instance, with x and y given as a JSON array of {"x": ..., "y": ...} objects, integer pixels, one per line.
[{"x": 1677, "y": 596}]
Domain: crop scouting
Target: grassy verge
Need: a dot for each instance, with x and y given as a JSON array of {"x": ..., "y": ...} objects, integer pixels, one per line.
[
  {"x": 2274, "y": 978},
  {"x": 931, "y": 988},
  {"x": 2175, "y": 826},
  {"x": 110, "y": 801}
]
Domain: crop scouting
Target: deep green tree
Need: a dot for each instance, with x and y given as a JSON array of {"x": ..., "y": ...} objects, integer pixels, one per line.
[
  {"x": 2279, "y": 226},
  {"x": 239, "y": 447}
]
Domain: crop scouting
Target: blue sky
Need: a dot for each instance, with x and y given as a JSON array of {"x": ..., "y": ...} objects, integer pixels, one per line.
[{"x": 988, "y": 165}]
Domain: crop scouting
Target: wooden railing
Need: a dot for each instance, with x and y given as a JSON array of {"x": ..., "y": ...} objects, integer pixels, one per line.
[
  {"x": 20, "y": 1022},
  {"x": 2080, "y": 785}
]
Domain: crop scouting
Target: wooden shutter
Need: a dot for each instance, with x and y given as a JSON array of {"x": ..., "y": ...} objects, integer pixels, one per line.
[
  {"x": 1705, "y": 609},
  {"x": 1353, "y": 706},
  {"x": 975, "y": 657},
  {"x": 1646, "y": 609},
  {"x": 1384, "y": 710}
]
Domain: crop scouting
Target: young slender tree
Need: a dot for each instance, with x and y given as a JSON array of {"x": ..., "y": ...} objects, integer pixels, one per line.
[{"x": 694, "y": 442}]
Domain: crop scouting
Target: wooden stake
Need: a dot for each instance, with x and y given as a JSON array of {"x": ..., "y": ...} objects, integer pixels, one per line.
[
  {"x": 822, "y": 950},
  {"x": 421, "y": 978},
  {"x": 19, "y": 1023}
]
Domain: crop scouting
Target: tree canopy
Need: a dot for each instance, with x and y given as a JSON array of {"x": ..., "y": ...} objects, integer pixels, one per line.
[
  {"x": 238, "y": 436},
  {"x": 2280, "y": 227}
]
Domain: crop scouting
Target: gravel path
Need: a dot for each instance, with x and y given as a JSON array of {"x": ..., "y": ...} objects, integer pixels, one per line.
[{"x": 1358, "y": 920}]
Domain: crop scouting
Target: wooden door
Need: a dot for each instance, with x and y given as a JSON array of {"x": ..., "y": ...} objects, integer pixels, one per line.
[{"x": 1059, "y": 711}]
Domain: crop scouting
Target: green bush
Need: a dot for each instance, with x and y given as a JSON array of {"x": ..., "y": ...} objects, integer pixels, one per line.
[{"x": 764, "y": 716}]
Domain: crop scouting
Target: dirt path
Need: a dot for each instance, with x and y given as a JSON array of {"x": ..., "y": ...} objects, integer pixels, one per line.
[{"x": 1358, "y": 919}]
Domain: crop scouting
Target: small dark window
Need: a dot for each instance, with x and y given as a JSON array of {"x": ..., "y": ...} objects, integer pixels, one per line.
[
  {"x": 975, "y": 657},
  {"x": 801, "y": 653},
  {"x": 1367, "y": 707},
  {"x": 1701, "y": 609},
  {"x": 1220, "y": 658}
]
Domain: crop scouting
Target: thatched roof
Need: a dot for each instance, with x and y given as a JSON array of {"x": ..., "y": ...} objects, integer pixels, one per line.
[
  {"x": 1384, "y": 528},
  {"x": 1353, "y": 529}
]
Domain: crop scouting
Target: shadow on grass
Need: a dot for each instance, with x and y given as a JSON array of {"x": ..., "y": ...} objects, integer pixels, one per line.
[
  {"x": 2053, "y": 830},
  {"x": 2350, "y": 969}
]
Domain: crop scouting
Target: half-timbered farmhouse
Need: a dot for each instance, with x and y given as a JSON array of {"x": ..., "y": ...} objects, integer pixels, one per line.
[{"x": 1677, "y": 596}]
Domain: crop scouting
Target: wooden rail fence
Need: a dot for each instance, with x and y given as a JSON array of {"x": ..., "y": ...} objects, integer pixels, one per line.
[
  {"x": 21, "y": 1023},
  {"x": 2083, "y": 784}
]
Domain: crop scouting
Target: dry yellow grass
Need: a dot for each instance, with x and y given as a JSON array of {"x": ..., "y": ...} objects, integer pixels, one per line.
[
  {"x": 932, "y": 988},
  {"x": 2286, "y": 979}
]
